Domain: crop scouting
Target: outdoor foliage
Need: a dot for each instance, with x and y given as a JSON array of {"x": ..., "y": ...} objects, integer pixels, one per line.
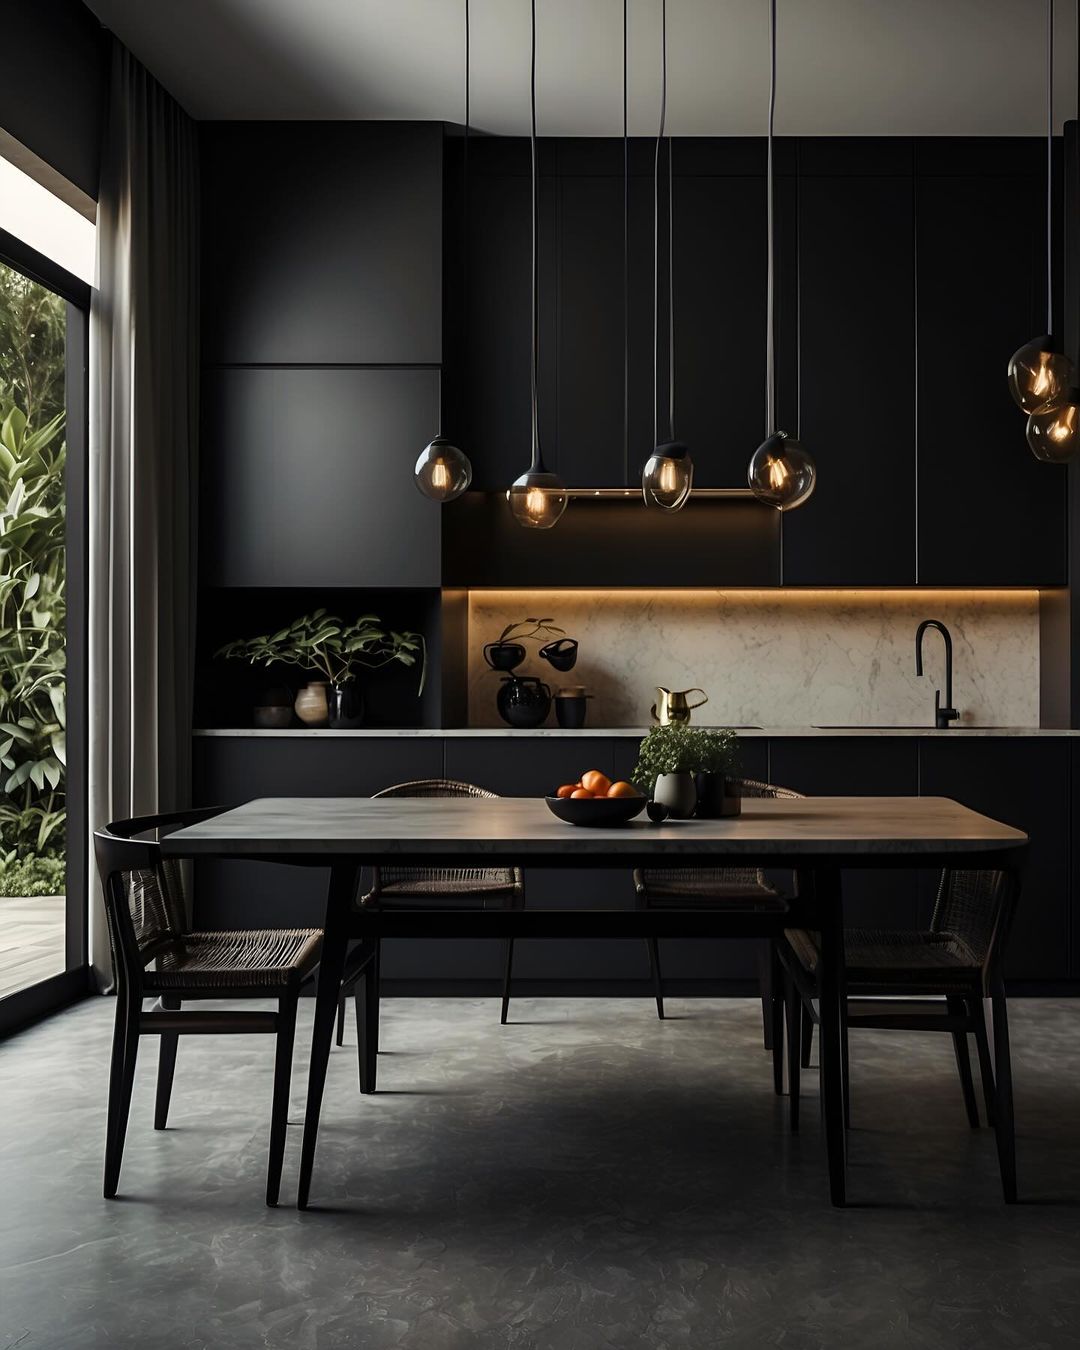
[{"x": 32, "y": 612}]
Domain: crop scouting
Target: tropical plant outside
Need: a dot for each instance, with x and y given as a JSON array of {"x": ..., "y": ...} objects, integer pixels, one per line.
[{"x": 32, "y": 587}]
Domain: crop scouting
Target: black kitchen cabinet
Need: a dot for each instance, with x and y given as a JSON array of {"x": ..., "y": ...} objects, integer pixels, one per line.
[
  {"x": 988, "y": 512},
  {"x": 306, "y": 478},
  {"x": 856, "y": 241},
  {"x": 322, "y": 243},
  {"x": 1025, "y": 783},
  {"x": 849, "y": 766}
]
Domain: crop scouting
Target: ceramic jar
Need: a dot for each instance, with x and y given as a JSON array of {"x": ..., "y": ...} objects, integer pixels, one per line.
[
  {"x": 677, "y": 792},
  {"x": 312, "y": 705},
  {"x": 346, "y": 706}
]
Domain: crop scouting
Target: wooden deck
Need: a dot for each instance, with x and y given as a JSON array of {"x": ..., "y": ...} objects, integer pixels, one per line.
[{"x": 31, "y": 941}]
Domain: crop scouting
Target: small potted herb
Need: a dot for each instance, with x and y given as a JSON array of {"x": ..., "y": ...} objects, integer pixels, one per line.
[
  {"x": 325, "y": 645},
  {"x": 688, "y": 769}
]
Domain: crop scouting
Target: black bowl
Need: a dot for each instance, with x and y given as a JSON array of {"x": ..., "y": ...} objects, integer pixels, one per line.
[{"x": 595, "y": 810}]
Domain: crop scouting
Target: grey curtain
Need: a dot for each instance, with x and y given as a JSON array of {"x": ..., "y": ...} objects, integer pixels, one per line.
[{"x": 143, "y": 443}]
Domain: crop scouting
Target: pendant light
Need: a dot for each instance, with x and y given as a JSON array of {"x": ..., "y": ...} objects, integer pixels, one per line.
[
  {"x": 668, "y": 474},
  {"x": 1040, "y": 373},
  {"x": 781, "y": 473},
  {"x": 443, "y": 472},
  {"x": 537, "y": 498}
]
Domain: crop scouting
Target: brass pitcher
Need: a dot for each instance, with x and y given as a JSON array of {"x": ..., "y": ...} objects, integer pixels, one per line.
[{"x": 673, "y": 706}]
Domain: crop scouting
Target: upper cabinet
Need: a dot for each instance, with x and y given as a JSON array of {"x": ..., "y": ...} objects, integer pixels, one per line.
[
  {"x": 322, "y": 243},
  {"x": 856, "y": 391},
  {"x": 989, "y": 513},
  {"x": 306, "y": 478}
]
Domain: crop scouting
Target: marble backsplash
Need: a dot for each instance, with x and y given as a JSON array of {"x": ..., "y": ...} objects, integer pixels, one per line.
[{"x": 768, "y": 658}]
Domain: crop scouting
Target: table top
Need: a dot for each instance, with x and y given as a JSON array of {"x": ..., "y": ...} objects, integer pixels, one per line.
[{"x": 507, "y": 828}]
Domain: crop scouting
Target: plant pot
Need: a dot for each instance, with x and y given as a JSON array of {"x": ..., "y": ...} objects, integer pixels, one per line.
[
  {"x": 561, "y": 655},
  {"x": 312, "y": 705},
  {"x": 716, "y": 796},
  {"x": 677, "y": 792},
  {"x": 504, "y": 655},
  {"x": 346, "y": 706}
]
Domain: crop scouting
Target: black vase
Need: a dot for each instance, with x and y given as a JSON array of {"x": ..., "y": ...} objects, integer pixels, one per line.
[
  {"x": 346, "y": 706},
  {"x": 523, "y": 700},
  {"x": 716, "y": 796}
]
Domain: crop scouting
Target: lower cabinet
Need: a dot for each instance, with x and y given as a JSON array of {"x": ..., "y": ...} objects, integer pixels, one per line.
[{"x": 1024, "y": 781}]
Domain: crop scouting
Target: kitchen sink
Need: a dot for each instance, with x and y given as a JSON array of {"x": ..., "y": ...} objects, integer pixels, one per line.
[{"x": 894, "y": 726}]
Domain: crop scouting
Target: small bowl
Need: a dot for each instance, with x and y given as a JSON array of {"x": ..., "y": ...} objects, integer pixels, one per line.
[{"x": 602, "y": 811}]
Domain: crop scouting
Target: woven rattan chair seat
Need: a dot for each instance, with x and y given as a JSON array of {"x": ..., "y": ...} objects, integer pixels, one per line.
[
  {"x": 879, "y": 958},
  {"x": 255, "y": 959},
  {"x": 734, "y": 887}
]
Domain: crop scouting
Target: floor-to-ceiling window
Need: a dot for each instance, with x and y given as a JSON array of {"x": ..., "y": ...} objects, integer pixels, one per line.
[{"x": 43, "y": 883}]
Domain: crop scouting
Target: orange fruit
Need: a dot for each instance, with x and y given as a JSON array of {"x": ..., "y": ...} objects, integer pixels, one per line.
[
  {"x": 582, "y": 794},
  {"x": 622, "y": 789},
  {"x": 596, "y": 782},
  {"x": 566, "y": 790}
]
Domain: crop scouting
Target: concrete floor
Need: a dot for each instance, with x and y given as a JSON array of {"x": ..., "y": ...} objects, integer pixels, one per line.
[{"x": 585, "y": 1178}]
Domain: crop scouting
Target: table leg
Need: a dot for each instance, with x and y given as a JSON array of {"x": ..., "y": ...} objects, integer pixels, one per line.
[
  {"x": 344, "y": 878},
  {"x": 832, "y": 993}
]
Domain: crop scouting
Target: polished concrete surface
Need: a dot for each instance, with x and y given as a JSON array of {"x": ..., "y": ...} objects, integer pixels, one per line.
[{"x": 586, "y": 1178}]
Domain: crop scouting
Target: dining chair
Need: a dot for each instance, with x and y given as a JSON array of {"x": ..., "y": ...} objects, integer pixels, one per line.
[
  {"x": 938, "y": 979},
  {"x": 154, "y": 952},
  {"x": 737, "y": 888},
  {"x": 422, "y": 888}
]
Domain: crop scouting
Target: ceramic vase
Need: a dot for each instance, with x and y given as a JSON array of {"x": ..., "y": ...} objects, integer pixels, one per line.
[
  {"x": 312, "y": 705},
  {"x": 677, "y": 792},
  {"x": 346, "y": 706},
  {"x": 716, "y": 796}
]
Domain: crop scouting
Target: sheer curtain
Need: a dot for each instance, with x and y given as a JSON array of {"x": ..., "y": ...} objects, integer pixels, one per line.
[{"x": 143, "y": 443}]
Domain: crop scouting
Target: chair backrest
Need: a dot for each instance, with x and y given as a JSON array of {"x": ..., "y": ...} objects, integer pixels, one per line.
[
  {"x": 750, "y": 787},
  {"x": 975, "y": 908},
  {"x": 439, "y": 787},
  {"x": 435, "y": 787},
  {"x": 145, "y": 904}
]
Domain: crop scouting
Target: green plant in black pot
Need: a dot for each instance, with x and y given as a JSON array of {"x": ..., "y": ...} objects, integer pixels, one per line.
[
  {"x": 688, "y": 769},
  {"x": 323, "y": 644}
]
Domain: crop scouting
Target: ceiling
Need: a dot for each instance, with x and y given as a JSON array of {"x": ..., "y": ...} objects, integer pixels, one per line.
[{"x": 845, "y": 67}]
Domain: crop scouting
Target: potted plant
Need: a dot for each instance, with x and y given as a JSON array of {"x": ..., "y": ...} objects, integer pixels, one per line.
[
  {"x": 688, "y": 769},
  {"x": 508, "y": 651},
  {"x": 324, "y": 644}
]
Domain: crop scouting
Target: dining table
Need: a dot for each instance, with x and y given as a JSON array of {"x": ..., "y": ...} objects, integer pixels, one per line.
[{"x": 815, "y": 837}]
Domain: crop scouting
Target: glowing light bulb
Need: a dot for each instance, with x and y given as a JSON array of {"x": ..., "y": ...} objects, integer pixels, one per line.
[
  {"x": 1054, "y": 436},
  {"x": 1039, "y": 375},
  {"x": 442, "y": 471},
  {"x": 668, "y": 476},
  {"x": 781, "y": 473},
  {"x": 537, "y": 500}
]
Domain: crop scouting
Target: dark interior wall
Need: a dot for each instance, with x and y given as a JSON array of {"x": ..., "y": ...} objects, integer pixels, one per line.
[{"x": 53, "y": 87}]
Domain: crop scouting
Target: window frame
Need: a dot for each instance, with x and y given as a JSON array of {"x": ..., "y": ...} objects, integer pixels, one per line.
[{"x": 75, "y": 981}]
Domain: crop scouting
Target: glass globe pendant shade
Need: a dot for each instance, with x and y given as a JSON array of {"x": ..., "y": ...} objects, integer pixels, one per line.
[
  {"x": 443, "y": 472},
  {"x": 781, "y": 473},
  {"x": 537, "y": 499},
  {"x": 668, "y": 476},
  {"x": 1054, "y": 436},
  {"x": 1039, "y": 375}
]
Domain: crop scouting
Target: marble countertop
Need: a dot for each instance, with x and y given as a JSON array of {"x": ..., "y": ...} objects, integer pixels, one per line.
[
  {"x": 503, "y": 827},
  {"x": 633, "y": 733}
]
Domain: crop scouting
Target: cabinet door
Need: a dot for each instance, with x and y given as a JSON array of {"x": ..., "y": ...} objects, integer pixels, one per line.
[
  {"x": 322, "y": 243},
  {"x": 306, "y": 478},
  {"x": 1023, "y": 782},
  {"x": 989, "y": 513},
  {"x": 846, "y": 766},
  {"x": 857, "y": 385}
]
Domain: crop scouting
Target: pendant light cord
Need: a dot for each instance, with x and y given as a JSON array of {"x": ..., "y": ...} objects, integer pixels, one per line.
[
  {"x": 656, "y": 225},
  {"x": 537, "y": 462},
  {"x": 770, "y": 336},
  {"x": 671, "y": 291},
  {"x": 1049, "y": 166},
  {"x": 626, "y": 254}
]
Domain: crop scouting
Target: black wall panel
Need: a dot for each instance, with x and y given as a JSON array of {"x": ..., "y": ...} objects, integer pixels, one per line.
[
  {"x": 322, "y": 242},
  {"x": 307, "y": 478}
]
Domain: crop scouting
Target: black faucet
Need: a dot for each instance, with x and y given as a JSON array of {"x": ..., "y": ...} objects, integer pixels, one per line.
[{"x": 942, "y": 716}]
